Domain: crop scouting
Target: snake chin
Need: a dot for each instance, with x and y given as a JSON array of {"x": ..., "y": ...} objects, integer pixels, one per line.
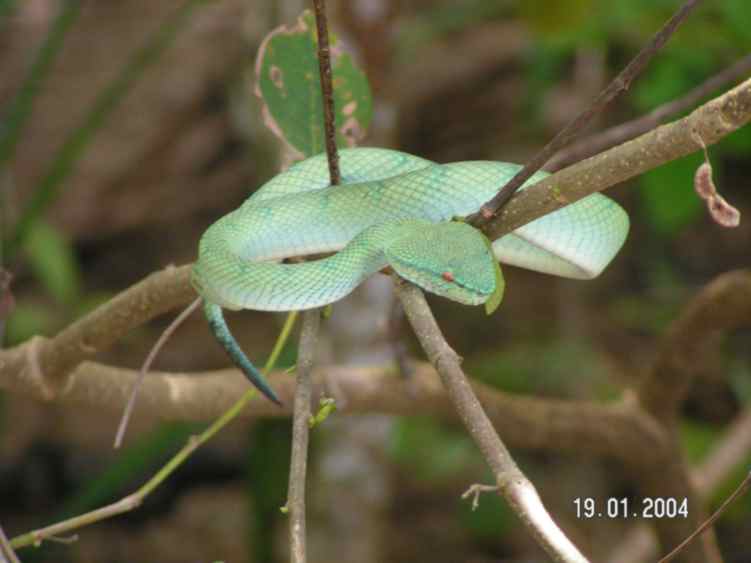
[{"x": 451, "y": 260}]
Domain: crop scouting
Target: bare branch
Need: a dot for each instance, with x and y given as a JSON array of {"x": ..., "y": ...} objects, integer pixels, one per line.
[
  {"x": 311, "y": 320},
  {"x": 742, "y": 488},
  {"x": 721, "y": 306},
  {"x": 512, "y": 484},
  {"x": 621, "y": 133},
  {"x": 6, "y": 550},
  {"x": 54, "y": 358},
  {"x": 712, "y": 121},
  {"x": 639, "y": 545},
  {"x": 615, "y": 430},
  {"x": 147, "y": 365},
  {"x": 324, "y": 67},
  {"x": 300, "y": 433},
  {"x": 619, "y": 84}
]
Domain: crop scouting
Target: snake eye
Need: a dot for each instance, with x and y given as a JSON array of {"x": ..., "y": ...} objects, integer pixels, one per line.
[{"x": 448, "y": 276}]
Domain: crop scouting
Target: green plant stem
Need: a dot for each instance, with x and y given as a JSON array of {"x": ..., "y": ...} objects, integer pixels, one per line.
[
  {"x": 20, "y": 108},
  {"x": 48, "y": 188},
  {"x": 135, "y": 499}
]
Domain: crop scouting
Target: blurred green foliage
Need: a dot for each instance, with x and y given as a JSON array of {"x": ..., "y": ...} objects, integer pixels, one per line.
[
  {"x": 135, "y": 463},
  {"x": 433, "y": 450},
  {"x": 545, "y": 367},
  {"x": 669, "y": 202},
  {"x": 698, "y": 440},
  {"x": 490, "y": 519},
  {"x": 53, "y": 261}
]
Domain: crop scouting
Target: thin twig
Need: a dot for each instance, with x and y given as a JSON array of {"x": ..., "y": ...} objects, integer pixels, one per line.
[
  {"x": 639, "y": 544},
  {"x": 722, "y": 305},
  {"x": 300, "y": 433},
  {"x": 742, "y": 488},
  {"x": 489, "y": 211},
  {"x": 324, "y": 66},
  {"x": 6, "y": 550},
  {"x": 147, "y": 365},
  {"x": 511, "y": 482},
  {"x": 474, "y": 491},
  {"x": 599, "y": 142},
  {"x": 135, "y": 499},
  {"x": 713, "y": 121},
  {"x": 311, "y": 321}
]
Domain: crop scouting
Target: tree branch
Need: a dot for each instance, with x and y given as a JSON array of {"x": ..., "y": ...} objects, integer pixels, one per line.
[
  {"x": 615, "y": 430},
  {"x": 327, "y": 91},
  {"x": 619, "y": 84},
  {"x": 6, "y": 550},
  {"x": 48, "y": 361},
  {"x": 712, "y": 121},
  {"x": 300, "y": 430},
  {"x": 510, "y": 481},
  {"x": 721, "y": 306},
  {"x": 623, "y": 132},
  {"x": 311, "y": 320},
  {"x": 639, "y": 545}
]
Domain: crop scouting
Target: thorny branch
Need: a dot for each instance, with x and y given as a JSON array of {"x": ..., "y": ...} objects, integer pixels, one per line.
[{"x": 487, "y": 218}]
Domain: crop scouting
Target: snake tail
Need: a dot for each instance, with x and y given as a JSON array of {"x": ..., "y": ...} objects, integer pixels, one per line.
[{"x": 221, "y": 332}]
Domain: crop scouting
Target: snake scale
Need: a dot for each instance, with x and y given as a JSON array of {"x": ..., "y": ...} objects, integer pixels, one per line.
[{"x": 394, "y": 209}]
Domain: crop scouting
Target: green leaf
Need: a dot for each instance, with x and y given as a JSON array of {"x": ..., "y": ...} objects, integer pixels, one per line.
[
  {"x": 668, "y": 195},
  {"x": 53, "y": 261},
  {"x": 288, "y": 83},
  {"x": 326, "y": 407}
]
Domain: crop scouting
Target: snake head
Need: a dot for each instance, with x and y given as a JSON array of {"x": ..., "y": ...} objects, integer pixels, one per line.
[{"x": 452, "y": 260}]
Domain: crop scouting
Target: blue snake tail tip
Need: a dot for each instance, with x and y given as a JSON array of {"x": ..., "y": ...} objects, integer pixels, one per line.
[{"x": 221, "y": 332}]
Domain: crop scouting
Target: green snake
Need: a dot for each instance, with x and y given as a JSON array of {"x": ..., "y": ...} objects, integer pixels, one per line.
[{"x": 393, "y": 209}]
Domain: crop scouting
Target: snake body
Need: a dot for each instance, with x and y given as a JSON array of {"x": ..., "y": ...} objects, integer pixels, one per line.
[{"x": 394, "y": 209}]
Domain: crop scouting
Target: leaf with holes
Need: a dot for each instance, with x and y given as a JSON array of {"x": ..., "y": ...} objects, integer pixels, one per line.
[{"x": 288, "y": 84}]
